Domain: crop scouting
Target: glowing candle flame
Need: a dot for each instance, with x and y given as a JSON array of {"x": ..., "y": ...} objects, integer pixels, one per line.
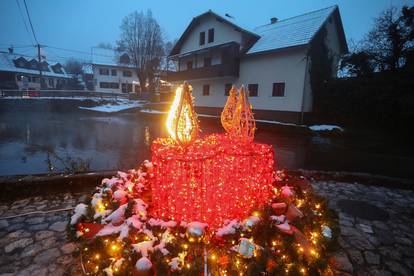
[
  {"x": 244, "y": 123},
  {"x": 182, "y": 123},
  {"x": 227, "y": 116}
]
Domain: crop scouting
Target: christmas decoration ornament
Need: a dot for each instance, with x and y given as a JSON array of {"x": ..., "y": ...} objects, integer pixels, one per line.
[
  {"x": 244, "y": 123},
  {"x": 250, "y": 222},
  {"x": 182, "y": 122},
  {"x": 89, "y": 230},
  {"x": 143, "y": 264},
  {"x": 286, "y": 192},
  {"x": 227, "y": 116},
  {"x": 147, "y": 245},
  {"x": 326, "y": 232},
  {"x": 204, "y": 206},
  {"x": 293, "y": 213},
  {"x": 279, "y": 208},
  {"x": 196, "y": 229},
  {"x": 245, "y": 248}
]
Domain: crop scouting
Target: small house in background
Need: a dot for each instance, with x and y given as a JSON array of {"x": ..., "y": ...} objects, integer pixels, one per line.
[
  {"x": 273, "y": 61},
  {"x": 111, "y": 72},
  {"x": 19, "y": 72}
]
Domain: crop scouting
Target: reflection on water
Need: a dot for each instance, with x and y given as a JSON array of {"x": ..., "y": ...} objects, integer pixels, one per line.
[{"x": 34, "y": 141}]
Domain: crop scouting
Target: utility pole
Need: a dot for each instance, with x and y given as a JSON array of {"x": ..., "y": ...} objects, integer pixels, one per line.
[{"x": 40, "y": 66}]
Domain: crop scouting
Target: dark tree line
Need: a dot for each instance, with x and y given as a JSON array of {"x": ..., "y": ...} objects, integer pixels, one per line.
[{"x": 388, "y": 46}]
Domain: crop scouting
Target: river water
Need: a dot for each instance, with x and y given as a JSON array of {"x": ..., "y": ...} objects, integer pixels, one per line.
[{"x": 35, "y": 139}]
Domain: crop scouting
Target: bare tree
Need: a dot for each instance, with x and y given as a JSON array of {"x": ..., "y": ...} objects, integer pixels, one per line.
[
  {"x": 169, "y": 64},
  {"x": 73, "y": 66},
  {"x": 141, "y": 39}
]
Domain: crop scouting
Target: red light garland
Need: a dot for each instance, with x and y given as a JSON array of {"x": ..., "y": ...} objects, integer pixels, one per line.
[{"x": 211, "y": 180}]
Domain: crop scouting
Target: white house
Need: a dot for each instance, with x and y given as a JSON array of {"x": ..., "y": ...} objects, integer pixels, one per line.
[
  {"x": 272, "y": 61},
  {"x": 22, "y": 72},
  {"x": 111, "y": 72}
]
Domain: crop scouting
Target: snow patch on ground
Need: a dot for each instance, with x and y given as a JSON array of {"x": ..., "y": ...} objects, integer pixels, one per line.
[
  {"x": 112, "y": 108},
  {"x": 325, "y": 128}
]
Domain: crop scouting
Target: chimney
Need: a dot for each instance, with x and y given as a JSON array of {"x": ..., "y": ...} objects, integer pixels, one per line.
[
  {"x": 273, "y": 20},
  {"x": 11, "y": 50}
]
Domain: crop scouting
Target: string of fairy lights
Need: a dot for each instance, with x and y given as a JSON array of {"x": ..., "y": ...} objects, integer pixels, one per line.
[{"x": 205, "y": 205}]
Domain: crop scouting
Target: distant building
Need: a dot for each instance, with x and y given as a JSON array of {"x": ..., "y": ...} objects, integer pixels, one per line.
[
  {"x": 111, "y": 72},
  {"x": 272, "y": 61},
  {"x": 20, "y": 72}
]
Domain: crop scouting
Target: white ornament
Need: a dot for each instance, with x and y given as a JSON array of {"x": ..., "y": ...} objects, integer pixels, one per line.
[
  {"x": 143, "y": 264},
  {"x": 196, "y": 229},
  {"x": 326, "y": 232},
  {"x": 246, "y": 248},
  {"x": 251, "y": 221}
]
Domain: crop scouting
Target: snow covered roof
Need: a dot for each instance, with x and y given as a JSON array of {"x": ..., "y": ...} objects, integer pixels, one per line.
[
  {"x": 226, "y": 19},
  {"x": 290, "y": 32},
  {"x": 294, "y": 31},
  {"x": 109, "y": 57},
  {"x": 8, "y": 64}
]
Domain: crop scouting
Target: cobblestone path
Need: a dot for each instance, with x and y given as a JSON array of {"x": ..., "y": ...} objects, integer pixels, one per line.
[{"x": 376, "y": 232}]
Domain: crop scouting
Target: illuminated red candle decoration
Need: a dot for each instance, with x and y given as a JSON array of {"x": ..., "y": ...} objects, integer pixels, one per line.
[{"x": 211, "y": 179}]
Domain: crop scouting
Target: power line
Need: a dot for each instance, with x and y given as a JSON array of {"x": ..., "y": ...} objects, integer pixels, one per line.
[
  {"x": 16, "y": 47},
  {"x": 24, "y": 21},
  {"x": 78, "y": 51},
  {"x": 30, "y": 21}
]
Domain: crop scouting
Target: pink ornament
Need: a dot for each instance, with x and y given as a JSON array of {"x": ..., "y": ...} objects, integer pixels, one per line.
[{"x": 286, "y": 192}]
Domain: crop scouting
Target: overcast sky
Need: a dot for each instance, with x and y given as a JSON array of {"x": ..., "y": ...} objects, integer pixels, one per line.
[{"x": 81, "y": 24}]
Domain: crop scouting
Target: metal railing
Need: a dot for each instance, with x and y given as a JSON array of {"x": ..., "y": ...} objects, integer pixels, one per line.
[{"x": 59, "y": 94}]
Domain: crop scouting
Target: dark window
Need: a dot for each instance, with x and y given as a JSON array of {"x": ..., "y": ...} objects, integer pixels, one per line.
[
  {"x": 278, "y": 89},
  {"x": 189, "y": 65},
  {"x": 113, "y": 72},
  {"x": 202, "y": 38},
  {"x": 113, "y": 85},
  {"x": 207, "y": 61},
  {"x": 210, "y": 35},
  {"x": 227, "y": 88},
  {"x": 253, "y": 90},
  {"x": 126, "y": 87},
  {"x": 206, "y": 89},
  {"x": 51, "y": 82},
  {"x": 103, "y": 71},
  {"x": 127, "y": 73}
]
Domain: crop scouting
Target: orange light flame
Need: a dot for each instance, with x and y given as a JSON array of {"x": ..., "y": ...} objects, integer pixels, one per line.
[
  {"x": 182, "y": 122},
  {"x": 244, "y": 123},
  {"x": 227, "y": 120}
]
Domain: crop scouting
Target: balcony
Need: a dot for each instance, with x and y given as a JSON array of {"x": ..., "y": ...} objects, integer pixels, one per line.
[{"x": 213, "y": 71}]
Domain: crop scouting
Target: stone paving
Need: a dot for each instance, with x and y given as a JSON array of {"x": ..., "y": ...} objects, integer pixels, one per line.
[
  {"x": 376, "y": 228},
  {"x": 37, "y": 244},
  {"x": 376, "y": 232}
]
